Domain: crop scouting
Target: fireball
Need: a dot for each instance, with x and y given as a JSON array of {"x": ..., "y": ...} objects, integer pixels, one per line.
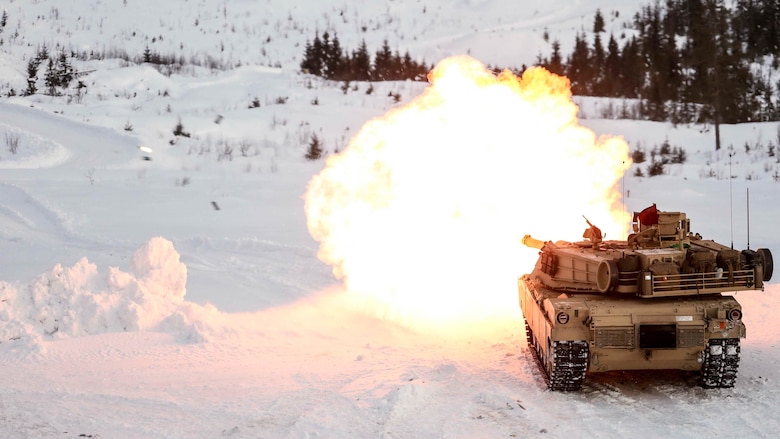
[{"x": 423, "y": 213}]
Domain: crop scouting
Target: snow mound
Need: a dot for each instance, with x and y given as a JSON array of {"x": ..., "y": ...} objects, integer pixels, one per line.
[{"x": 80, "y": 300}]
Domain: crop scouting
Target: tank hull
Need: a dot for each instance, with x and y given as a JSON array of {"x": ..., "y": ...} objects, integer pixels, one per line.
[{"x": 576, "y": 334}]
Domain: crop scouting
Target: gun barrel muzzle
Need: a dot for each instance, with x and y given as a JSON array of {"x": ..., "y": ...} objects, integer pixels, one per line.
[{"x": 532, "y": 242}]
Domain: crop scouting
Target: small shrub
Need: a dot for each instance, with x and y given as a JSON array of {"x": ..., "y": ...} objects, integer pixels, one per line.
[
  {"x": 244, "y": 146},
  {"x": 678, "y": 155},
  {"x": 314, "y": 152},
  {"x": 639, "y": 156},
  {"x": 655, "y": 168},
  {"x": 12, "y": 142},
  {"x": 178, "y": 130},
  {"x": 666, "y": 149},
  {"x": 225, "y": 153}
]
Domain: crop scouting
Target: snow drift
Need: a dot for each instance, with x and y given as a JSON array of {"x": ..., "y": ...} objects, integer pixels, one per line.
[{"x": 81, "y": 300}]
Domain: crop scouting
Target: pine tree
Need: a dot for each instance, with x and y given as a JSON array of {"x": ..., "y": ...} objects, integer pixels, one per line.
[
  {"x": 598, "y": 22},
  {"x": 64, "y": 71},
  {"x": 598, "y": 59},
  {"x": 3, "y": 20},
  {"x": 612, "y": 69},
  {"x": 32, "y": 76},
  {"x": 382, "y": 63},
  {"x": 333, "y": 65},
  {"x": 632, "y": 71},
  {"x": 50, "y": 79},
  {"x": 314, "y": 152},
  {"x": 555, "y": 65},
  {"x": 361, "y": 63},
  {"x": 579, "y": 69},
  {"x": 313, "y": 57},
  {"x": 43, "y": 53}
]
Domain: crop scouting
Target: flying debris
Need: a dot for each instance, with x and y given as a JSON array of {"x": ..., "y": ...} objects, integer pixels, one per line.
[{"x": 146, "y": 153}]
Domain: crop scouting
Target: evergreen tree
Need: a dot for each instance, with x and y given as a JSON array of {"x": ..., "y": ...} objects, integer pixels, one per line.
[
  {"x": 555, "y": 65},
  {"x": 382, "y": 63},
  {"x": 313, "y": 57},
  {"x": 598, "y": 60},
  {"x": 612, "y": 69},
  {"x": 3, "y": 20},
  {"x": 32, "y": 76},
  {"x": 50, "y": 79},
  {"x": 332, "y": 57},
  {"x": 633, "y": 71},
  {"x": 598, "y": 22},
  {"x": 579, "y": 68},
  {"x": 64, "y": 71},
  {"x": 43, "y": 54},
  {"x": 361, "y": 63},
  {"x": 314, "y": 151}
]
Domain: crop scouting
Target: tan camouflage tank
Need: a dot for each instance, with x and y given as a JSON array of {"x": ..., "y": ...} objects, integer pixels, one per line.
[{"x": 653, "y": 301}]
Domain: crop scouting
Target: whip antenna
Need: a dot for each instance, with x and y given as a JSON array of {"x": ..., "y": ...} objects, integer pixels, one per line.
[
  {"x": 748, "y": 218},
  {"x": 731, "y": 203}
]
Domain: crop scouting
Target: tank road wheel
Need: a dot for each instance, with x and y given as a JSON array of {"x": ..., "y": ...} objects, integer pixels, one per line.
[
  {"x": 566, "y": 364},
  {"x": 721, "y": 361}
]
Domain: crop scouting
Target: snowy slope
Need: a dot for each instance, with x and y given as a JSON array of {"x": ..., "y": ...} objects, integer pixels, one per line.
[{"x": 182, "y": 297}]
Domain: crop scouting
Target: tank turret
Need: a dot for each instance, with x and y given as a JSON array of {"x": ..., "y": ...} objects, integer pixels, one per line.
[
  {"x": 662, "y": 258},
  {"x": 653, "y": 301}
]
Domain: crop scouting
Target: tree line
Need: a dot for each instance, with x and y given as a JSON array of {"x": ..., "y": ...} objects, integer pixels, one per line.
[
  {"x": 685, "y": 61},
  {"x": 325, "y": 57}
]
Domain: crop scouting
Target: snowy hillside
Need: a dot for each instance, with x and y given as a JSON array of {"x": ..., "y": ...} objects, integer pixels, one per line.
[{"x": 172, "y": 266}]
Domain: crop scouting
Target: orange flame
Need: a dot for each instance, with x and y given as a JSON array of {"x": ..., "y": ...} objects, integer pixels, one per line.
[{"x": 422, "y": 214}]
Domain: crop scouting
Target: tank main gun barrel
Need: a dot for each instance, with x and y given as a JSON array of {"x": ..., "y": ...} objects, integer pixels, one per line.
[{"x": 528, "y": 241}]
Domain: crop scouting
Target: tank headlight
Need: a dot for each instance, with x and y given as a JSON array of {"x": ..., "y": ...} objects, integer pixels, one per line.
[
  {"x": 562, "y": 318},
  {"x": 734, "y": 314}
]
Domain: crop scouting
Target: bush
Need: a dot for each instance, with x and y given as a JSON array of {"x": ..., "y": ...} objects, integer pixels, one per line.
[
  {"x": 314, "y": 152},
  {"x": 178, "y": 130},
  {"x": 12, "y": 142},
  {"x": 639, "y": 156},
  {"x": 655, "y": 168}
]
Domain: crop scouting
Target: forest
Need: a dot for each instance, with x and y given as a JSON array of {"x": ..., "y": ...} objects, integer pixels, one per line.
[{"x": 684, "y": 61}]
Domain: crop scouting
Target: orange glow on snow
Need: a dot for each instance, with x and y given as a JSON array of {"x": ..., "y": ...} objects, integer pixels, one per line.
[{"x": 422, "y": 214}]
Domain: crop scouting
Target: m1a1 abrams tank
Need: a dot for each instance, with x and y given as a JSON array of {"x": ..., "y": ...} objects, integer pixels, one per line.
[{"x": 654, "y": 301}]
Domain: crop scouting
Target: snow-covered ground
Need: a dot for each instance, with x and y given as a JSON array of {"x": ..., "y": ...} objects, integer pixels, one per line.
[{"x": 183, "y": 296}]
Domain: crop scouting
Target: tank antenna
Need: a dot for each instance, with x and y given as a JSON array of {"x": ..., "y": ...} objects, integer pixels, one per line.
[
  {"x": 748, "y": 218},
  {"x": 731, "y": 202}
]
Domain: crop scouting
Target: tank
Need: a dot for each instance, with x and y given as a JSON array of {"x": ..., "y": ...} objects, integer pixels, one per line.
[{"x": 658, "y": 300}]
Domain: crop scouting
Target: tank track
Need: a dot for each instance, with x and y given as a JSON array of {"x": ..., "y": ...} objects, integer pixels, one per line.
[
  {"x": 570, "y": 362},
  {"x": 567, "y": 364},
  {"x": 720, "y": 363}
]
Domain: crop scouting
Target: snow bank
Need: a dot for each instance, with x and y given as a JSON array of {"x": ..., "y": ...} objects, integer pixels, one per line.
[{"x": 80, "y": 300}]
